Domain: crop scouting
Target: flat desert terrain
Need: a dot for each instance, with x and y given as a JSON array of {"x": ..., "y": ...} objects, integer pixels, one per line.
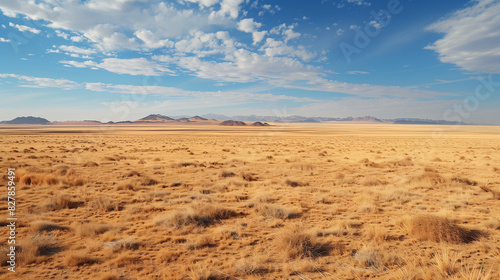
[{"x": 288, "y": 201}]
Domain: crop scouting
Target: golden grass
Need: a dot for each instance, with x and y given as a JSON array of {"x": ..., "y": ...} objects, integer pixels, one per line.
[
  {"x": 199, "y": 215},
  {"x": 439, "y": 229},
  {"x": 299, "y": 244},
  {"x": 284, "y": 202}
]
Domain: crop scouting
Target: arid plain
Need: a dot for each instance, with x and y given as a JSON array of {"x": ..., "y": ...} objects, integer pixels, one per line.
[{"x": 288, "y": 201}]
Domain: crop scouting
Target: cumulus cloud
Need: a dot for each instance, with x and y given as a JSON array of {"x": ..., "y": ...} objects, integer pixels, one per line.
[
  {"x": 3, "y": 40},
  {"x": 24, "y": 28},
  {"x": 286, "y": 31},
  {"x": 471, "y": 37},
  {"x": 132, "y": 66},
  {"x": 28, "y": 81},
  {"x": 248, "y": 25},
  {"x": 73, "y": 49},
  {"x": 101, "y": 22}
]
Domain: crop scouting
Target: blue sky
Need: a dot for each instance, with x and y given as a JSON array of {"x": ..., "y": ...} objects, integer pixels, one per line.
[{"x": 124, "y": 59}]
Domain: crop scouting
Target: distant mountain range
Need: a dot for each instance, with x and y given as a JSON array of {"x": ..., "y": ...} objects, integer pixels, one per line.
[{"x": 236, "y": 120}]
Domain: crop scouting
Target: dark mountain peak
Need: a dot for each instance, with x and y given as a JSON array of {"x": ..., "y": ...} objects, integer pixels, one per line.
[
  {"x": 27, "y": 120},
  {"x": 233, "y": 123},
  {"x": 197, "y": 118},
  {"x": 156, "y": 117},
  {"x": 260, "y": 124}
]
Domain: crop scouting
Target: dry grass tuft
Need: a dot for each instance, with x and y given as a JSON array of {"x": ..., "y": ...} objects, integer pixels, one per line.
[
  {"x": 294, "y": 183},
  {"x": 368, "y": 256},
  {"x": 40, "y": 226},
  {"x": 250, "y": 266},
  {"x": 110, "y": 276},
  {"x": 250, "y": 177},
  {"x": 90, "y": 164},
  {"x": 105, "y": 203},
  {"x": 38, "y": 179},
  {"x": 439, "y": 229},
  {"x": 123, "y": 244},
  {"x": 79, "y": 258},
  {"x": 430, "y": 177},
  {"x": 226, "y": 174},
  {"x": 276, "y": 211},
  {"x": 65, "y": 201},
  {"x": 38, "y": 245},
  {"x": 90, "y": 230},
  {"x": 299, "y": 244},
  {"x": 199, "y": 215}
]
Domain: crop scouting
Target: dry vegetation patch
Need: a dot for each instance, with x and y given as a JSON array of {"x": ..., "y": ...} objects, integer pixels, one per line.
[
  {"x": 199, "y": 215},
  {"x": 440, "y": 229},
  {"x": 300, "y": 244}
]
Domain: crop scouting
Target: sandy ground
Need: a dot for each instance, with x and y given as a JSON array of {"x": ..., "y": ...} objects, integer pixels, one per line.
[{"x": 290, "y": 201}]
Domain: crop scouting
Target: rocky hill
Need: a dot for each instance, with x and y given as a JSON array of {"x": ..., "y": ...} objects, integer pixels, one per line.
[
  {"x": 233, "y": 123},
  {"x": 27, "y": 120}
]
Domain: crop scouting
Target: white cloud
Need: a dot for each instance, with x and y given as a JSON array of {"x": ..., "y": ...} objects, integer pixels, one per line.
[
  {"x": 24, "y": 28},
  {"x": 359, "y": 2},
  {"x": 132, "y": 66},
  {"x": 340, "y": 31},
  {"x": 375, "y": 24},
  {"x": 286, "y": 31},
  {"x": 356, "y": 72},
  {"x": 151, "y": 41},
  {"x": 27, "y": 81},
  {"x": 274, "y": 47},
  {"x": 103, "y": 24},
  {"x": 3, "y": 40},
  {"x": 78, "y": 64},
  {"x": 245, "y": 66},
  {"x": 73, "y": 49},
  {"x": 249, "y": 26},
  {"x": 204, "y": 3},
  {"x": 228, "y": 7},
  {"x": 77, "y": 39},
  {"x": 471, "y": 37},
  {"x": 62, "y": 34}
]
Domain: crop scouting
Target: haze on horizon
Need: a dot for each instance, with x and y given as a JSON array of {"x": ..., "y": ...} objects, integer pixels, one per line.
[{"x": 124, "y": 59}]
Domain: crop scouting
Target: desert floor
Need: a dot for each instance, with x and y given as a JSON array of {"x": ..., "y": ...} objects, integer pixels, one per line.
[{"x": 289, "y": 201}]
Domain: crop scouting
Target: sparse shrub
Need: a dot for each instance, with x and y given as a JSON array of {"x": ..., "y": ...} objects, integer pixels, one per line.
[
  {"x": 79, "y": 258},
  {"x": 133, "y": 173},
  {"x": 200, "y": 215},
  {"x": 40, "y": 226},
  {"x": 368, "y": 257},
  {"x": 439, "y": 229},
  {"x": 430, "y": 177},
  {"x": 225, "y": 174},
  {"x": 36, "y": 246},
  {"x": 65, "y": 201},
  {"x": 202, "y": 242},
  {"x": 123, "y": 244},
  {"x": 105, "y": 203},
  {"x": 249, "y": 176},
  {"x": 124, "y": 259},
  {"x": 464, "y": 181},
  {"x": 293, "y": 183},
  {"x": 38, "y": 179},
  {"x": 90, "y": 164},
  {"x": 125, "y": 186},
  {"x": 276, "y": 211},
  {"x": 183, "y": 164},
  {"x": 149, "y": 182},
  {"x": 371, "y": 181},
  {"x": 250, "y": 266},
  {"x": 298, "y": 244},
  {"x": 110, "y": 276},
  {"x": 90, "y": 230}
]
